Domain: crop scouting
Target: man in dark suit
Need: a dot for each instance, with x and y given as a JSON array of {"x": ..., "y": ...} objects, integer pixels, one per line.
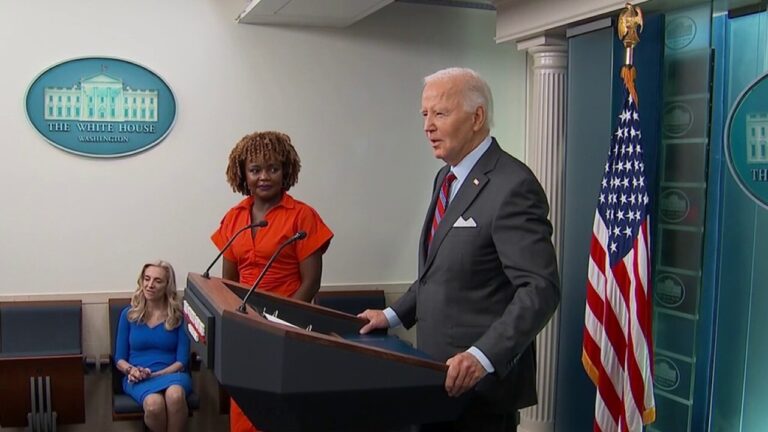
[{"x": 488, "y": 280}]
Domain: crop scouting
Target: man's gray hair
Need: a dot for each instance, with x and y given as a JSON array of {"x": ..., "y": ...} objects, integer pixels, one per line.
[{"x": 475, "y": 91}]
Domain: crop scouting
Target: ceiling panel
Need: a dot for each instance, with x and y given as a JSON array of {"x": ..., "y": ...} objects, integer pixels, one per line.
[{"x": 326, "y": 13}]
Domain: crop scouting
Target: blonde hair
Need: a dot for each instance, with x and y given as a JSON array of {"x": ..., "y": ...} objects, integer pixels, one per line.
[
  {"x": 138, "y": 310},
  {"x": 474, "y": 89}
]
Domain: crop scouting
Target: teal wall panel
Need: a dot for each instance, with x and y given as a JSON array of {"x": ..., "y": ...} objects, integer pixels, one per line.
[{"x": 740, "y": 379}]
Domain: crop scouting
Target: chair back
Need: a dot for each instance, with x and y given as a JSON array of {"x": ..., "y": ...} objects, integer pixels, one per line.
[
  {"x": 41, "y": 364},
  {"x": 40, "y": 328}
]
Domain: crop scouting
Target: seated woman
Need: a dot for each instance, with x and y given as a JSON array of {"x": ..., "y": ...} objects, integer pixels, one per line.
[{"x": 152, "y": 350}]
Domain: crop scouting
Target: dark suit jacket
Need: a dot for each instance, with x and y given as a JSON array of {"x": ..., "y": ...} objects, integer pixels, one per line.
[{"x": 494, "y": 286}]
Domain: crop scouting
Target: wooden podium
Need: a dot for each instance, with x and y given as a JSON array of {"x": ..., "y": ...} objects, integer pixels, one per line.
[{"x": 294, "y": 366}]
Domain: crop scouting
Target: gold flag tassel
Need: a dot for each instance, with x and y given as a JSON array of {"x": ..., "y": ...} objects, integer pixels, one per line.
[
  {"x": 628, "y": 74},
  {"x": 629, "y": 26}
]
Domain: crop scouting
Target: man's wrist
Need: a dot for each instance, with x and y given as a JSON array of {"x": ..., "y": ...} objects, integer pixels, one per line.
[
  {"x": 482, "y": 358},
  {"x": 392, "y": 319}
]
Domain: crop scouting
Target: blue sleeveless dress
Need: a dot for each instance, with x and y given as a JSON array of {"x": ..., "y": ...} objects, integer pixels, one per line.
[{"x": 155, "y": 348}]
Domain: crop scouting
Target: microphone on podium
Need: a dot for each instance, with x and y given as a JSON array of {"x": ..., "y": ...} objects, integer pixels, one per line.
[
  {"x": 259, "y": 224},
  {"x": 301, "y": 235}
]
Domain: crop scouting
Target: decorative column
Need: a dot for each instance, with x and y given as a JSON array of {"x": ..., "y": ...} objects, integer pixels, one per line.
[{"x": 545, "y": 154}]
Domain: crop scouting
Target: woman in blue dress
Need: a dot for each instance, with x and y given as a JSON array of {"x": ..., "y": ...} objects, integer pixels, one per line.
[{"x": 152, "y": 350}]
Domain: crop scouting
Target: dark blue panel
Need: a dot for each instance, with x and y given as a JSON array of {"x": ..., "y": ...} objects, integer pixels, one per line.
[{"x": 588, "y": 134}]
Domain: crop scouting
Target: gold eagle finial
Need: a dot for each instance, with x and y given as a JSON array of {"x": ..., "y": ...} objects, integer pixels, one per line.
[{"x": 630, "y": 25}]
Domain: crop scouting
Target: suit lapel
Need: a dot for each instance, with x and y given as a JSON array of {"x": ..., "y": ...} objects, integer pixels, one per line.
[{"x": 468, "y": 192}]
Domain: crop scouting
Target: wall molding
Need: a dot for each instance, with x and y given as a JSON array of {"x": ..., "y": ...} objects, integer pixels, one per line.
[{"x": 104, "y": 296}]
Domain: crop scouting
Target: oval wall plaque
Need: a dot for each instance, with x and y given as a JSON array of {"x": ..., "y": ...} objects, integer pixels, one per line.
[
  {"x": 674, "y": 205},
  {"x": 678, "y": 119},
  {"x": 666, "y": 374},
  {"x": 680, "y": 32},
  {"x": 101, "y": 107},
  {"x": 746, "y": 141},
  {"x": 669, "y": 290}
]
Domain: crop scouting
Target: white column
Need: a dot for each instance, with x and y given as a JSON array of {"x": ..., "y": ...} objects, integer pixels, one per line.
[{"x": 545, "y": 154}]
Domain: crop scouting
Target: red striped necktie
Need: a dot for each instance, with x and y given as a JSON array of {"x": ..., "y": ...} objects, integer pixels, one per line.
[{"x": 441, "y": 205}]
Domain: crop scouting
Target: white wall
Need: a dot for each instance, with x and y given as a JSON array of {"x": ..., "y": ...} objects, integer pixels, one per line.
[{"x": 349, "y": 98}]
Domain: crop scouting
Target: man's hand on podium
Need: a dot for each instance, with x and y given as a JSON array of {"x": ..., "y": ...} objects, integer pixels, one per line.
[
  {"x": 376, "y": 320},
  {"x": 464, "y": 371}
]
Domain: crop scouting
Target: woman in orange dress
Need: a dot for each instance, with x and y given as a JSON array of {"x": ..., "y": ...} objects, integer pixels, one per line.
[{"x": 263, "y": 166}]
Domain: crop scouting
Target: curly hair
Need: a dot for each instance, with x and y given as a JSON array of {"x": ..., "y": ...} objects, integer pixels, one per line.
[
  {"x": 138, "y": 310},
  {"x": 263, "y": 146}
]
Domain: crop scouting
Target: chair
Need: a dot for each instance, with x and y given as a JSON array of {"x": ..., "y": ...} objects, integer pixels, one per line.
[
  {"x": 123, "y": 406},
  {"x": 41, "y": 364}
]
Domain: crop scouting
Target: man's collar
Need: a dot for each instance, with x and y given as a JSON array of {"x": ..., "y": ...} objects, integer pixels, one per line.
[{"x": 465, "y": 166}]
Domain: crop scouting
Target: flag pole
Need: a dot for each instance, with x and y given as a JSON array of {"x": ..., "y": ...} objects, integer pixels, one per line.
[{"x": 629, "y": 27}]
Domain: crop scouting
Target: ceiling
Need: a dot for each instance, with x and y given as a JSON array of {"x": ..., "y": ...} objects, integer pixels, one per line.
[
  {"x": 331, "y": 13},
  {"x": 342, "y": 13}
]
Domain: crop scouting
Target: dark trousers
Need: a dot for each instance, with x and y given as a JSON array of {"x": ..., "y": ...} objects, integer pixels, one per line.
[{"x": 476, "y": 418}]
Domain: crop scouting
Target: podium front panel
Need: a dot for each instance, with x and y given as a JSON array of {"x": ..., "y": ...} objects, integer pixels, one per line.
[{"x": 309, "y": 369}]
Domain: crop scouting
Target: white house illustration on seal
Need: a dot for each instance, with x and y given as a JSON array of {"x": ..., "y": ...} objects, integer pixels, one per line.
[
  {"x": 757, "y": 139},
  {"x": 101, "y": 97}
]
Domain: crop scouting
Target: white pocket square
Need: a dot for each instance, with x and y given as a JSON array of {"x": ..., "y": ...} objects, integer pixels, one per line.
[{"x": 465, "y": 223}]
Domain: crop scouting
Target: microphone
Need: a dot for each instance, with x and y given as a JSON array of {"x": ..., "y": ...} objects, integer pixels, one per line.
[
  {"x": 259, "y": 224},
  {"x": 301, "y": 235}
]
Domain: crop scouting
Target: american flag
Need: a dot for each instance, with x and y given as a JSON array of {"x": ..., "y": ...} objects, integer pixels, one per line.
[{"x": 617, "y": 331}]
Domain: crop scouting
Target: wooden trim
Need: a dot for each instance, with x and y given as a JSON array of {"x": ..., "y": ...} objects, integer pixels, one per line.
[
  {"x": 223, "y": 298},
  {"x": 351, "y": 293},
  {"x": 126, "y": 416},
  {"x": 27, "y": 303}
]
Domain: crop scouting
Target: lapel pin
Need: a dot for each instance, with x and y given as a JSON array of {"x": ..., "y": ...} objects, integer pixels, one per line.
[{"x": 476, "y": 182}]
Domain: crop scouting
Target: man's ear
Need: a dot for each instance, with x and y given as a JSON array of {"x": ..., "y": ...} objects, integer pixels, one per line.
[{"x": 478, "y": 119}]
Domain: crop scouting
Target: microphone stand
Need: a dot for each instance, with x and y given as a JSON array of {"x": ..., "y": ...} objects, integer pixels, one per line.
[
  {"x": 298, "y": 236},
  {"x": 259, "y": 224}
]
